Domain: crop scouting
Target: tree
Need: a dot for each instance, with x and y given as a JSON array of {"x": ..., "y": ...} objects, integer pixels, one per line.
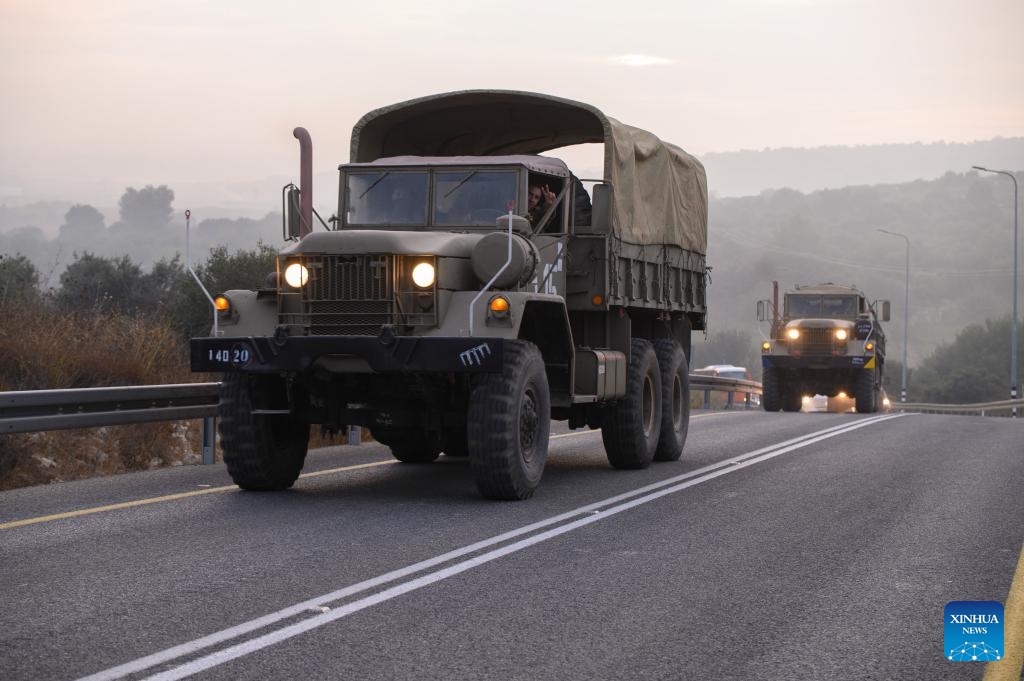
[
  {"x": 975, "y": 367},
  {"x": 81, "y": 223},
  {"x": 147, "y": 209},
  {"x": 103, "y": 283},
  {"x": 19, "y": 279}
]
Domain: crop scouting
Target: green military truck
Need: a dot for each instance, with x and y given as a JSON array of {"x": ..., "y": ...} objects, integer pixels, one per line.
[
  {"x": 826, "y": 340},
  {"x": 434, "y": 312}
]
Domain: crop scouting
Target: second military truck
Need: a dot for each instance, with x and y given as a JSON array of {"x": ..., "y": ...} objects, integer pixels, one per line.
[
  {"x": 825, "y": 340},
  {"x": 446, "y": 313}
]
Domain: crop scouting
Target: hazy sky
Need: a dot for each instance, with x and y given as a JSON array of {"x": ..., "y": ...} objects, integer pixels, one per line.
[{"x": 155, "y": 91}]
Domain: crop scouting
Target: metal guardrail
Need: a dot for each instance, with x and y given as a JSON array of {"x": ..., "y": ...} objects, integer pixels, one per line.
[
  {"x": 732, "y": 386},
  {"x": 980, "y": 408},
  {"x": 28, "y": 411}
]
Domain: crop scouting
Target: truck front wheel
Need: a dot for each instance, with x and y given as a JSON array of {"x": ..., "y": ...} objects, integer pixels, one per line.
[
  {"x": 771, "y": 398},
  {"x": 865, "y": 392},
  {"x": 261, "y": 451},
  {"x": 631, "y": 426},
  {"x": 675, "y": 399},
  {"x": 508, "y": 425}
]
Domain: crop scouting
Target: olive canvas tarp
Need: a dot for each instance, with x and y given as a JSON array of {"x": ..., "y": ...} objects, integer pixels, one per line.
[{"x": 659, "y": 192}]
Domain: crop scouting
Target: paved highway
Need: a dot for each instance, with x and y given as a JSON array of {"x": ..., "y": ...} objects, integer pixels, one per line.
[{"x": 783, "y": 546}]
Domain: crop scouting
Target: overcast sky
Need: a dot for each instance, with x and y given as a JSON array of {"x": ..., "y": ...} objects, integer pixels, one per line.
[{"x": 159, "y": 91}]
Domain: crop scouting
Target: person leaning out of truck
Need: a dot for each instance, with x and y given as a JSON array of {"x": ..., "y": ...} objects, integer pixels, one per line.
[{"x": 540, "y": 197}]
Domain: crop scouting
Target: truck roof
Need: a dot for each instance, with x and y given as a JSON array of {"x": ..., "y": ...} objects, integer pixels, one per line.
[
  {"x": 540, "y": 164},
  {"x": 825, "y": 288},
  {"x": 659, "y": 191}
]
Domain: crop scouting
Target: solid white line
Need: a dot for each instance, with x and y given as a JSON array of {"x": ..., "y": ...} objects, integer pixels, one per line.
[{"x": 301, "y": 608}]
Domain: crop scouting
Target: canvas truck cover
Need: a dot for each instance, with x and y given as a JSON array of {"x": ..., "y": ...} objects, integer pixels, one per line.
[{"x": 660, "y": 193}]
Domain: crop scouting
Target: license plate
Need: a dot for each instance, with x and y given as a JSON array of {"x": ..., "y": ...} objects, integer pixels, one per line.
[{"x": 238, "y": 356}]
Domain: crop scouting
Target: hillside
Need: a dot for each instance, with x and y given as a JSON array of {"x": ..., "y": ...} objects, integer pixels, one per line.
[
  {"x": 960, "y": 228},
  {"x": 747, "y": 173}
]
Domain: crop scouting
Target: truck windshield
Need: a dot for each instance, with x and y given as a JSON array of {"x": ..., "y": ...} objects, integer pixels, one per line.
[
  {"x": 822, "y": 306},
  {"x": 386, "y": 198},
  {"x": 467, "y": 198}
]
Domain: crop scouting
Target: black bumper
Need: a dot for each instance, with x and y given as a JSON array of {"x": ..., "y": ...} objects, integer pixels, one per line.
[
  {"x": 394, "y": 354},
  {"x": 842, "y": 362}
]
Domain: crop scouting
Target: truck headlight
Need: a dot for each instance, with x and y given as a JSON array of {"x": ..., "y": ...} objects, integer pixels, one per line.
[
  {"x": 793, "y": 334},
  {"x": 296, "y": 275},
  {"x": 841, "y": 334},
  {"x": 423, "y": 275}
]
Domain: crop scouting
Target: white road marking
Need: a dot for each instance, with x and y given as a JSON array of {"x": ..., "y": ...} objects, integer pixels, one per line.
[{"x": 590, "y": 513}]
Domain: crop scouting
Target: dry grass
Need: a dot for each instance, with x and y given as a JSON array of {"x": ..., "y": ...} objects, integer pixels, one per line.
[{"x": 41, "y": 348}]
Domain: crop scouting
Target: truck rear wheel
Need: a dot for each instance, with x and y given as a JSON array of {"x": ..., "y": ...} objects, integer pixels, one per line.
[
  {"x": 632, "y": 425},
  {"x": 508, "y": 425},
  {"x": 262, "y": 451},
  {"x": 865, "y": 392},
  {"x": 771, "y": 398},
  {"x": 675, "y": 399}
]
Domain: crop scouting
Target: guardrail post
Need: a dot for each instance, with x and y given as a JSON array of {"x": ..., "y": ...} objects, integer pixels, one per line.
[
  {"x": 209, "y": 433},
  {"x": 355, "y": 435},
  {"x": 707, "y": 399}
]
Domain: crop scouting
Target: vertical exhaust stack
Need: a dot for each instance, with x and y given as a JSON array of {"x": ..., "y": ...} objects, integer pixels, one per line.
[
  {"x": 775, "y": 304},
  {"x": 305, "y": 181}
]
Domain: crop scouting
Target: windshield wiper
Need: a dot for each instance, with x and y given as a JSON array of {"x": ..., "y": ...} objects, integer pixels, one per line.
[
  {"x": 461, "y": 182},
  {"x": 375, "y": 183}
]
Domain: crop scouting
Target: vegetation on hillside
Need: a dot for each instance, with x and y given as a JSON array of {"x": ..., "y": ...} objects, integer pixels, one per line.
[{"x": 109, "y": 323}]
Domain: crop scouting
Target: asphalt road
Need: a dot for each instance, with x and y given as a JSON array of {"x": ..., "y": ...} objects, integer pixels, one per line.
[{"x": 782, "y": 546}]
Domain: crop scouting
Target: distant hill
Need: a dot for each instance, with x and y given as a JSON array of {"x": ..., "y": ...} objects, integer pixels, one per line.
[{"x": 747, "y": 173}]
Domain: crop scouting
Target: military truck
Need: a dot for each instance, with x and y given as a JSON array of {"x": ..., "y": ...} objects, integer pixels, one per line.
[
  {"x": 826, "y": 340},
  {"x": 432, "y": 311}
]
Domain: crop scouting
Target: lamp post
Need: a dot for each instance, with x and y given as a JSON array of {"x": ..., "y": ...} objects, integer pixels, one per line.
[
  {"x": 906, "y": 316},
  {"x": 1013, "y": 322}
]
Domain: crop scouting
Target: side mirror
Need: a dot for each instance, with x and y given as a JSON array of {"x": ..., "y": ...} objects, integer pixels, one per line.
[
  {"x": 886, "y": 309},
  {"x": 291, "y": 217},
  {"x": 762, "y": 310}
]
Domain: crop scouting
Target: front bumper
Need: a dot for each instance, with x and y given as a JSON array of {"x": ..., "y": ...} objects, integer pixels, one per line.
[
  {"x": 384, "y": 354},
  {"x": 840, "y": 362}
]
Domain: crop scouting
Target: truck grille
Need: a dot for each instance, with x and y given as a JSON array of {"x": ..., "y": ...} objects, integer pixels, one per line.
[
  {"x": 814, "y": 343},
  {"x": 354, "y": 295}
]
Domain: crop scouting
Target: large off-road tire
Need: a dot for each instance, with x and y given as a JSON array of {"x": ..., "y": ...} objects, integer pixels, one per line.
[
  {"x": 865, "y": 392},
  {"x": 408, "y": 445},
  {"x": 508, "y": 425},
  {"x": 771, "y": 389},
  {"x": 261, "y": 451},
  {"x": 792, "y": 400},
  {"x": 631, "y": 426},
  {"x": 675, "y": 399}
]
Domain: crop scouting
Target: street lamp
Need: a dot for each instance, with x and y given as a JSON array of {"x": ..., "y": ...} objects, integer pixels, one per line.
[
  {"x": 1013, "y": 323},
  {"x": 906, "y": 315}
]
